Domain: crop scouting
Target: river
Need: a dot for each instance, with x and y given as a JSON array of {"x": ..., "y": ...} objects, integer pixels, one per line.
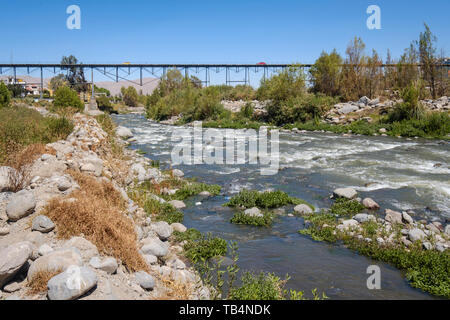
[{"x": 398, "y": 173}]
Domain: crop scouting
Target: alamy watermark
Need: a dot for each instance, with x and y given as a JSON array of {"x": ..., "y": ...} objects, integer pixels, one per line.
[
  {"x": 74, "y": 19},
  {"x": 374, "y": 280},
  {"x": 215, "y": 146},
  {"x": 374, "y": 20}
]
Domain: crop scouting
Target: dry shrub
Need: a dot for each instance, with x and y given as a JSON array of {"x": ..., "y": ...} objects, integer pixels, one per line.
[
  {"x": 175, "y": 290},
  {"x": 22, "y": 161},
  {"x": 97, "y": 214},
  {"x": 39, "y": 282}
]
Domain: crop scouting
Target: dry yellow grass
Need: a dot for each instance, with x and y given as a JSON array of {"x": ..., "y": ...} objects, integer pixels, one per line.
[
  {"x": 39, "y": 282},
  {"x": 97, "y": 213},
  {"x": 175, "y": 290}
]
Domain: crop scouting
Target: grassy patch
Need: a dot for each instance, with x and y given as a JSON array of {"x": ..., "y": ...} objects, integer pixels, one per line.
[
  {"x": 96, "y": 212},
  {"x": 203, "y": 247},
  {"x": 265, "y": 221},
  {"x": 163, "y": 211},
  {"x": 346, "y": 207},
  {"x": 265, "y": 200},
  {"x": 40, "y": 280},
  {"x": 322, "y": 227}
]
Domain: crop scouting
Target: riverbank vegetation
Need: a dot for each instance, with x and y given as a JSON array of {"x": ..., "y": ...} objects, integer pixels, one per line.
[
  {"x": 264, "y": 200},
  {"x": 291, "y": 103}
]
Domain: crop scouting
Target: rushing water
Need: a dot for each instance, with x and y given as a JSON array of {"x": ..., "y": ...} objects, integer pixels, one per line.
[{"x": 397, "y": 173}]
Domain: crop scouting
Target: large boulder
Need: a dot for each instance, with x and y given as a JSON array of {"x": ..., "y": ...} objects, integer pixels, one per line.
[
  {"x": 177, "y": 173},
  {"x": 363, "y": 217},
  {"x": 42, "y": 224},
  {"x": 370, "y": 204},
  {"x": 20, "y": 205},
  {"x": 162, "y": 229},
  {"x": 177, "y": 204},
  {"x": 72, "y": 283},
  {"x": 416, "y": 234},
  {"x": 348, "y": 193},
  {"x": 58, "y": 260},
  {"x": 393, "y": 216},
  {"x": 155, "y": 247},
  {"x": 109, "y": 265},
  {"x": 92, "y": 164},
  {"x": 85, "y": 247},
  {"x": 12, "y": 259},
  {"x": 123, "y": 132},
  {"x": 178, "y": 227},
  {"x": 145, "y": 280},
  {"x": 253, "y": 212},
  {"x": 347, "y": 108},
  {"x": 303, "y": 209}
]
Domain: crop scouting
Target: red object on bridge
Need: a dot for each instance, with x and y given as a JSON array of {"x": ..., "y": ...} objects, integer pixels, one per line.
[{"x": 261, "y": 64}]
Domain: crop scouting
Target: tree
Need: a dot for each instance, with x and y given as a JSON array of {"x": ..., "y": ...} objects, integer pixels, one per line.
[
  {"x": 5, "y": 95},
  {"x": 326, "y": 72},
  {"x": 67, "y": 98},
  {"x": 130, "y": 96},
  {"x": 373, "y": 74},
  {"x": 428, "y": 60},
  {"x": 17, "y": 90},
  {"x": 285, "y": 85},
  {"x": 352, "y": 84},
  {"x": 75, "y": 74},
  {"x": 57, "y": 82}
]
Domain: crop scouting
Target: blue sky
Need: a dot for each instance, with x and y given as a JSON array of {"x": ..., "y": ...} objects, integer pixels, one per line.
[{"x": 244, "y": 31}]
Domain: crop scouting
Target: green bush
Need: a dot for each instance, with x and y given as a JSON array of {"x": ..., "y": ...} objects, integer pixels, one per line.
[
  {"x": 204, "y": 247},
  {"x": 247, "y": 111},
  {"x": 346, "y": 207},
  {"x": 163, "y": 211},
  {"x": 5, "y": 95},
  {"x": 67, "y": 98},
  {"x": 241, "y": 218},
  {"x": 325, "y": 73},
  {"x": 130, "y": 96},
  {"x": 264, "y": 200},
  {"x": 262, "y": 286},
  {"x": 194, "y": 188},
  {"x": 287, "y": 84}
]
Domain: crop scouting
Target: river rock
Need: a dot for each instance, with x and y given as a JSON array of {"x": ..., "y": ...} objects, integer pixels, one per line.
[
  {"x": 177, "y": 204},
  {"x": 145, "y": 280},
  {"x": 58, "y": 260},
  {"x": 42, "y": 224},
  {"x": 393, "y": 216},
  {"x": 92, "y": 164},
  {"x": 177, "y": 173},
  {"x": 205, "y": 194},
  {"x": 155, "y": 247},
  {"x": 123, "y": 132},
  {"x": 407, "y": 218},
  {"x": 178, "y": 227},
  {"x": 348, "y": 193},
  {"x": 20, "y": 205},
  {"x": 363, "y": 217},
  {"x": 12, "y": 259},
  {"x": 85, "y": 247},
  {"x": 447, "y": 229},
  {"x": 253, "y": 212},
  {"x": 4, "y": 231},
  {"x": 162, "y": 229},
  {"x": 370, "y": 204},
  {"x": 72, "y": 283},
  {"x": 150, "y": 259},
  {"x": 44, "y": 249},
  {"x": 416, "y": 234},
  {"x": 139, "y": 170},
  {"x": 64, "y": 184},
  {"x": 109, "y": 265},
  {"x": 303, "y": 209},
  {"x": 12, "y": 287},
  {"x": 348, "y": 224}
]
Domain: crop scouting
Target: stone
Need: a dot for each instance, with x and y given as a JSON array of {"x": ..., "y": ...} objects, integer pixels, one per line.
[
  {"x": 42, "y": 224},
  {"x": 303, "y": 209},
  {"x": 58, "y": 260},
  {"x": 447, "y": 229},
  {"x": 362, "y": 217},
  {"x": 4, "y": 231},
  {"x": 12, "y": 259},
  {"x": 393, "y": 216},
  {"x": 370, "y": 204},
  {"x": 407, "y": 218},
  {"x": 162, "y": 229},
  {"x": 155, "y": 247},
  {"x": 145, "y": 280},
  {"x": 72, "y": 283},
  {"x": 364, "y": 100},
  {"x": 177, "y": 204},
  {"x": 433, "y": 228},
  {"x": 139, "y": 170},
  {"x": 205, "y": 194},
  {"x": 348, "y": 224},
  {"x": 347, "y": 108},
  {"x": 178, "y": 227},
  {"x": 253, "y": 212},
  {"x": 36, "y": 238},
  {"x": 109, "y": 265},
  {"x": 150, "y": 259},
  {"x": 427, "y": 246},
  {"x": 44, "y": 249},
  {"x": 123, "y": 132},
  {"x": 440, "y": 247},
  {"x": 64, "y": 184},
  {"x": 12, "y": 287},
  {"x": 85, "y": 247},
  {"x": 21, "y": 204},
  {"x": 5, "y": 173},
  {"x": 153, "y": 173},
  {"x": 382, "y": 130},
  {"x": 177, "y": 173},
  {"x": 348, "y": 193},
  {"x": 416, "y": 234},
  {"x": 92, "y": 164}
]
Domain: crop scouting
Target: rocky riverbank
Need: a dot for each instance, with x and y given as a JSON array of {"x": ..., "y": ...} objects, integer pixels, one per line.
[{"x": 42, "y": 255}]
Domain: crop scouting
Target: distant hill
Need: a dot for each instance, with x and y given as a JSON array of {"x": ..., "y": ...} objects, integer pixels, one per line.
[{"x": 149, "y": 84}]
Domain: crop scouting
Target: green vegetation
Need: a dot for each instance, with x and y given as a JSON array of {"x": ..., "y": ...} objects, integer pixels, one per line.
[
  {"x": 346, "y": 207},
  {"x": 200, "y": 247},
  {"x": 193, "y": 188},
  {"x": 108, "y": 125},
  {"x": 425, "y": 269},
  {"x": 21, "y": 126},
  {"x": 67, "y": 98},
  {"x": 264, "y": 200},
  {"x": 130, "y": 96},
  {"x": 5, "y": 95},
  {"x": 265, "y": 221},
  {"x": 163, "y": 211}
]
